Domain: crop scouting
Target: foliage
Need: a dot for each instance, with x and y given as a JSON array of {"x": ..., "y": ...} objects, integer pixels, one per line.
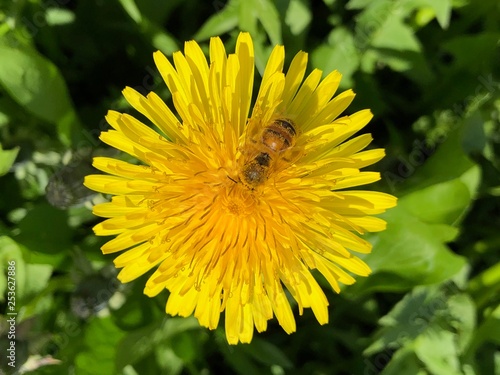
[{"x": 428, "y": 70}]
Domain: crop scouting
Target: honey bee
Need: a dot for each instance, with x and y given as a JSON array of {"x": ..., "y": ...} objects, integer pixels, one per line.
[{"x": 266, "y": 151}]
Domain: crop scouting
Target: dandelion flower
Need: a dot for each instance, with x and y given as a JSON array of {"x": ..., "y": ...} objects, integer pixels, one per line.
[{"x": 216, "y": 243}]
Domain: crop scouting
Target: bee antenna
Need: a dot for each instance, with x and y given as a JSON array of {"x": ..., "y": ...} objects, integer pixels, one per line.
[{"x": 232, "y": 179}]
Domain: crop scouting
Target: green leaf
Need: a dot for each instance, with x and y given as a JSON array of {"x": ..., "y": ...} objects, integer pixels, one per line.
[
  {"x": 135, "y": 312},
  {"x": 298, "y": 16},
  {"x": 221, "y": 22},
  {"x": 443, "y": 11},
  {"x": 407, "y": 320},
  {"x": 59, "y": 16},
  {"x": 268, "y": 15},
  {"x": 473, "y": 53},
  {"x": 474, "y": 138},
  {"x": 485, "y": 286},
  {"x": 247, "y": 19},
  {"x": 167, "y": 359},
  {"x": 340, "y": 54},
  {"x": 410, "y": 250},
  {"x": 187, "y": 346},
  {"x": 437, "y": 349},
  {"x": 267, "y": 353},
  {"x": 394, "y": 34},
  {"x": 441, "y": 203},
  {"x": 488, "y": 331},
  {"x": 462, "y": 311},
  {"x": 434, "y": 322},
  {"x": 101, "y": 338},
  {"x": 37, "y": 85},
  {"x": 138, "y": 344},
  {"x": 404, "y": 361},
  {"x": 11, "y": 255},
  {"x": 45, "y": 229},
  {"x": 131, "y": 8},
  {"x": 358, "y": 4},
  {"x": 446, "y": 162},
  {"x": 161, "y": 40},
  {"x": 237, "y": 358},
  {"x": 7, "y": 158},
  {"x": 39, "y": 276}
]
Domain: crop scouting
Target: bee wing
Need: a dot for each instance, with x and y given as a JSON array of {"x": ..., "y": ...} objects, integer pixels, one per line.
[
  {"x": 249, "y": 144},
  {"x": 286, "y": 159},
  {"x": 253, "y": 131}
]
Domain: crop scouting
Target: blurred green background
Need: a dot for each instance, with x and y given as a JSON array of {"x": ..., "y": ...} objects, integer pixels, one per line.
[{"x": 430, "y": 72}]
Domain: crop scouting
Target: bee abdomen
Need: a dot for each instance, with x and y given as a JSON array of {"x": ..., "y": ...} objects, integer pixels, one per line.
[
  {"x": 279, "y": 135},
  {"x": 288, "y": 125}
]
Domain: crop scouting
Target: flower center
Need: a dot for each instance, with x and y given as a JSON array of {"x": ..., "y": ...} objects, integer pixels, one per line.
[{"x": 238, "y": 200}]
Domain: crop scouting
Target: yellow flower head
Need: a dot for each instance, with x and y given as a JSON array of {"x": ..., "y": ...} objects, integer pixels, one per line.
[{"x": 233, "y": 210}]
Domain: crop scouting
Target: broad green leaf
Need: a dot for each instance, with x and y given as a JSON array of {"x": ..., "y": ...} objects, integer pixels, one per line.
[
  {"x": 160, "y": 39},
  {"x": 424, "y": 16},
  {"x": 298, "y": 16},
  {"x": 340, "y": 54},
  {"x": 138, "y": 344},
  {"x": 101, "y": 339},
  {"x": 220, "y": 22},
  {"x": 407, "y": 320},
  {"x": 488, "y": 331},
  {"x": 446, "y": 161},
  {"x": 167, "y": 359},
  {"x": 11, "y": 256},
  {"x": 267, "y": 353},
  {"x": 359, "y": 4},
  {"x": 427, "y": 10},
  {"x": 37, "y": 85},
  {"x": 187, "y": 346},
  {"x": 394, "y": 34},
  {"x": 135, "y": 312},
  {"x": 443, "y": 11},
  {"x": 45, "y": 229},
  {"x": 425, "y": 318},
  {"x": 474, "y": 138},
  {"x": 247, "y": 19},
  {"x": 39, "y": 276},
  {"x": 410, "y": 250},
  {"x": 7, "y": 158},
  {"x": 442, "y": 203},
  {"x": 486, "y": 285},
  {"x": 437, "y": 350},
  {"x": 370, "y": 21},
  {"x": 462, "y": 310},
  {"x": 474, "y": 53},
  {"x": 158, "y": 12},
  {"x": 439, "y": 9},
  {"x": 410, "y": 63},
  {"x": 472, "y": 180},
  {"x": 385, "y": 38},
  {"x": 240, "y": 362},
  {"x": 268, "y": 15},
  {"x": 404, "y": 361},
  {"x": 443, "y": 232}
]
